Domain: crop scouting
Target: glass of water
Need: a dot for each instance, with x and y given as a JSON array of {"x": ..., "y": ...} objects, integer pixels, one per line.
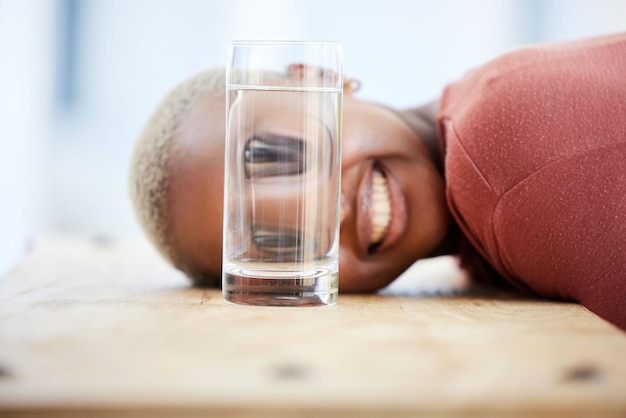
[{"x": 282, "y": 173}]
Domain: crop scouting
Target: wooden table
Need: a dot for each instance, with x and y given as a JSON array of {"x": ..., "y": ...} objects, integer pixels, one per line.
[{"x": 109, "y": 329}]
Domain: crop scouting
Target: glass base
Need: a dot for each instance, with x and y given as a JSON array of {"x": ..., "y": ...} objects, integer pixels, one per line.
[{"x": 317, "y": 290}]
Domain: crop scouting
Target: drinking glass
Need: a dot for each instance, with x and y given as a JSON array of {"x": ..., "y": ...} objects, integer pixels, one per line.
[{"x": 282, "y": 173}]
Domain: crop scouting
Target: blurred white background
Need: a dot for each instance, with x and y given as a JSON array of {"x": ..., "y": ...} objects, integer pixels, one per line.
[{"x": 78, "y": 78}]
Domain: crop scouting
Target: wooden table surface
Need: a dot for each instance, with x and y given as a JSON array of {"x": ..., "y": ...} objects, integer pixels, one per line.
[{"x": 109, "y": 329}]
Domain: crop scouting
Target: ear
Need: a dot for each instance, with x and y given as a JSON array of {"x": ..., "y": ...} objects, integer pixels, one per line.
[{"x": 351, "y": 86}]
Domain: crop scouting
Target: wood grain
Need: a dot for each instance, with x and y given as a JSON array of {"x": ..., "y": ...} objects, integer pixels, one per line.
[{"x": 110, "y": 330}]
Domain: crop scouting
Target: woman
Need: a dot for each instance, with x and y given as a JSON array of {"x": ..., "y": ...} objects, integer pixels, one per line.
[{"x": 519, "y": 168}]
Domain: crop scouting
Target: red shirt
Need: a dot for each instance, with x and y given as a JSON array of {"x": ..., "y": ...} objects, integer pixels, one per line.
[{"x": 534, "y": 148}]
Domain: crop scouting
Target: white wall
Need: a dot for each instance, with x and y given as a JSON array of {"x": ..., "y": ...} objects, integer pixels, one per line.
[
  {"x": 64, "y": 165},
  {"x": 25, "y": 121}
]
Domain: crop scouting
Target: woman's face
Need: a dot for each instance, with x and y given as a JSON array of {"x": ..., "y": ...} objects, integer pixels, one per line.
[{"x": 382, "y": 160}]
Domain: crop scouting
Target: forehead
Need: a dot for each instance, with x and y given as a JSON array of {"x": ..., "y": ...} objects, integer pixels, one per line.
[{"x": 200, "y": 127}]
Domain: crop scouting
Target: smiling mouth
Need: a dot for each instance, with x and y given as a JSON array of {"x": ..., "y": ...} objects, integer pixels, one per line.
[
  {"x": 380, "y": 211},
  {"x": 383, "y": 210}
]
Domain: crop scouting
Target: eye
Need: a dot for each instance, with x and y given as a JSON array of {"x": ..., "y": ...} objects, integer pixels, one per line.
[
  {"x": 273, "y": 155},
  {"x": 277, "y": 242}
]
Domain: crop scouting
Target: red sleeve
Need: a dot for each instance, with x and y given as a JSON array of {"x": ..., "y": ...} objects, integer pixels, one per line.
[{"x": 535, "y": 163}]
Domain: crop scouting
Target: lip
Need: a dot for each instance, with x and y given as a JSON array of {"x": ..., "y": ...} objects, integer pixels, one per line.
[{"x": 399, "y": 216}]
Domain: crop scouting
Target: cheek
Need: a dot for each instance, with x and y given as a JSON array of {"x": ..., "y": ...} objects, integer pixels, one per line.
[
  {"x": 371, "y": 131},
  {"x": 431, "y": 214}
]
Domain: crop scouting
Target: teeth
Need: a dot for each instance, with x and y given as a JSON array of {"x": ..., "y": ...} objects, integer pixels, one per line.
[{"x": 381, "y": 207}]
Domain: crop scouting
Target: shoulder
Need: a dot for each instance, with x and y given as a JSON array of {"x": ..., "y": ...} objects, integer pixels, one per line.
[
  {"x": 534, "y": 148},
  {"x": 535, "y": 105},
  {"x": 532, "y": 72}
]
